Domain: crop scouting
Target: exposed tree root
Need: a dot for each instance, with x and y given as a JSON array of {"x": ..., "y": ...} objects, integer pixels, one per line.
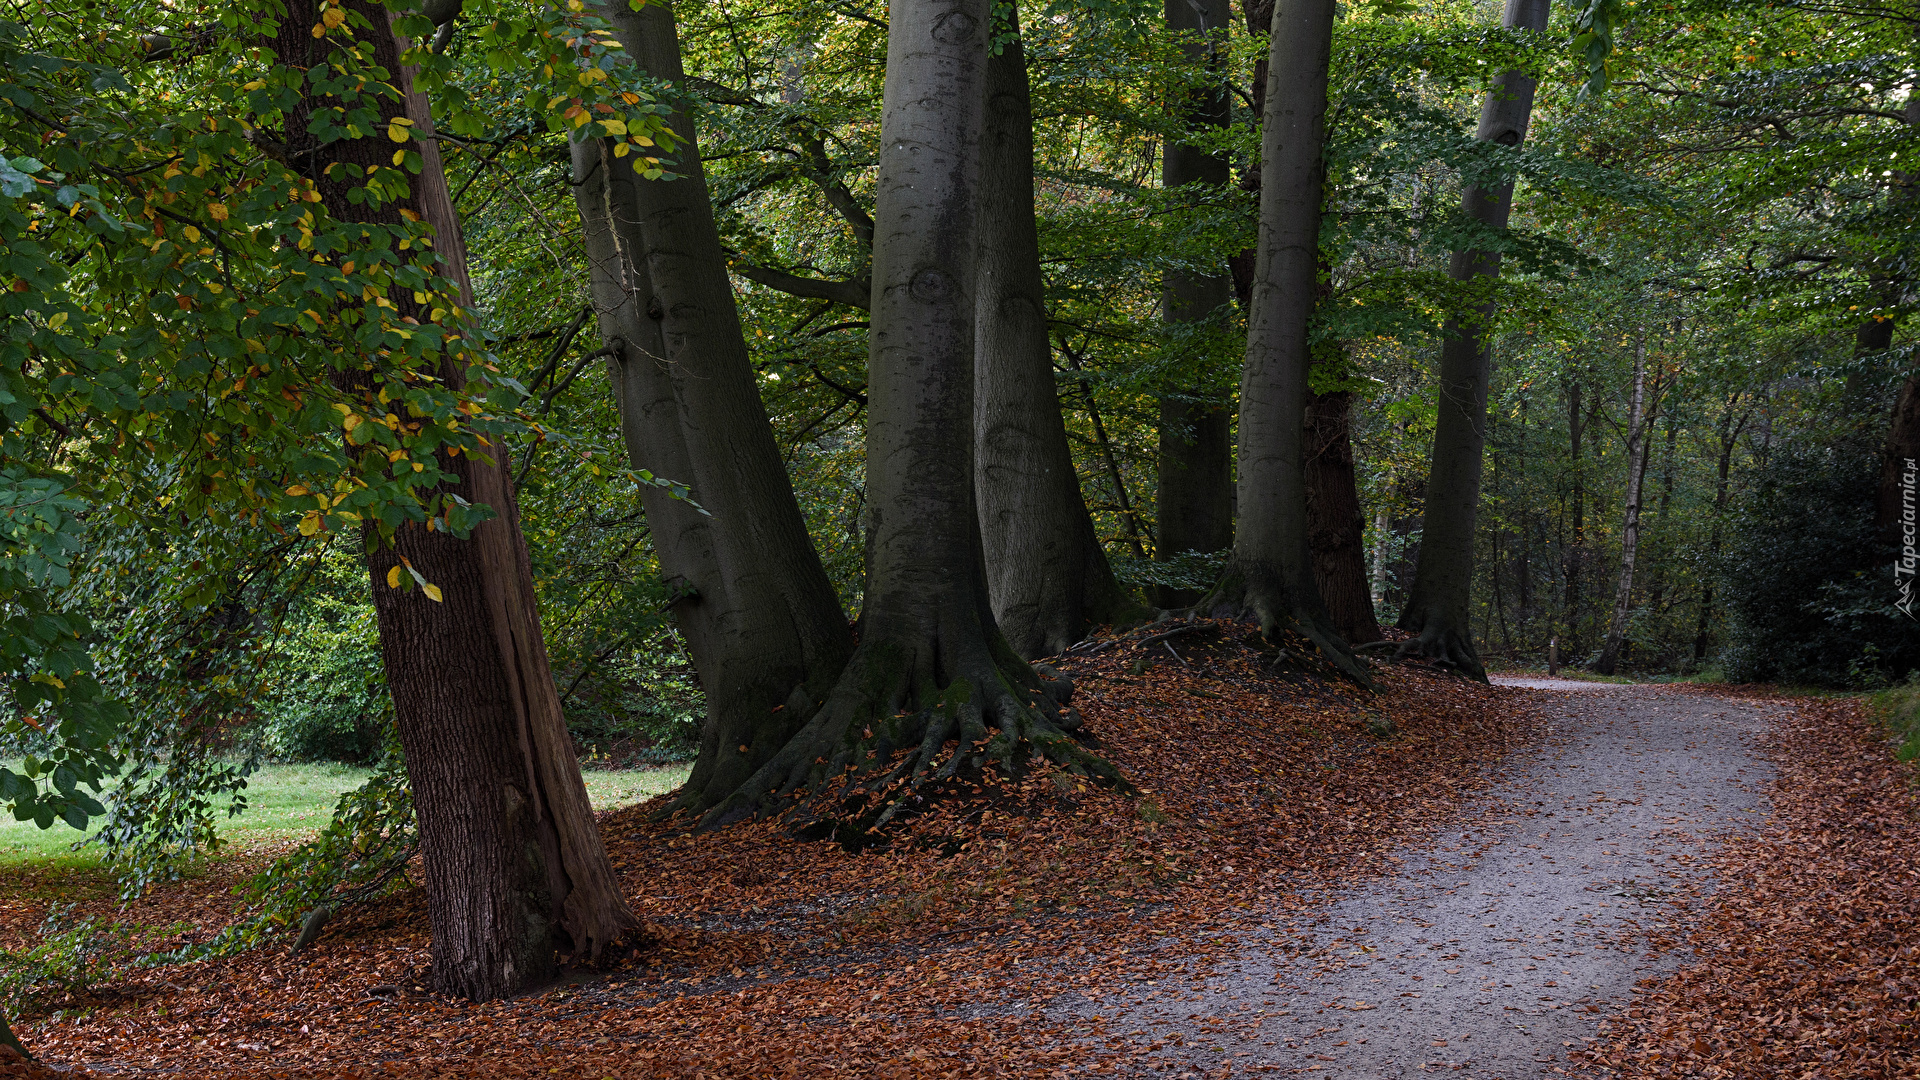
[
  {"x": 1442, "y": 644},
  {"x": 901, "y": 717},
  {"x": 1289, "y": 618}
]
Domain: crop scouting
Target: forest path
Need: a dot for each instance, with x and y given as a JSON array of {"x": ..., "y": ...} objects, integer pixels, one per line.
[{"x": 1507, "y": 936}]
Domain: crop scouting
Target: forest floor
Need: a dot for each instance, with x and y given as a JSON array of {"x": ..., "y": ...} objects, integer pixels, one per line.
[{"x": 1684, "y": 882}]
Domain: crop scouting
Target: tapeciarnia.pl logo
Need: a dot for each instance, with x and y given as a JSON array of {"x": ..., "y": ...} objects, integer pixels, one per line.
[{"x": 1903, "y": 567}]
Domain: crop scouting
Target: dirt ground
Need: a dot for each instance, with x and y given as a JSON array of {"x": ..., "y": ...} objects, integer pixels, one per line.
[
  {"x": 1500, "y": 943},
  {"x": 1519, "y": 881}
]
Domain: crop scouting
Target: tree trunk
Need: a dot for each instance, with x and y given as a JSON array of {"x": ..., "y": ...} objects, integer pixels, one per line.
[
  {"x": 931, "y": 667},
  {"x": 775, "y": 637},
  {"x": 1271, "y": 573},
  {"x": 1577, "y": 540},
  {"x": 7, "y": 1038},
  {"x": 1047, "y": 574},
  {"x": 1639, "y": 421},
  {"x": 1437, "y": 609},
  {"x": 1195, "y": 481},
  {"x": 1336, "y": 529},
  {"x": 1730, "y": 430},
  {"x": 1903, "y": 435},
  {"x": 513, "y": 860}
]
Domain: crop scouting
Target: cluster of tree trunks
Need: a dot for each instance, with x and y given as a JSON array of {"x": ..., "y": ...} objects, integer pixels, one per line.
[{"x": 968, "y": 468}]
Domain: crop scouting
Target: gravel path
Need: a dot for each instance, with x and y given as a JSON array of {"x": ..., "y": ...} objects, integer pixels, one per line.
[{"x": 1507, "y": 937}]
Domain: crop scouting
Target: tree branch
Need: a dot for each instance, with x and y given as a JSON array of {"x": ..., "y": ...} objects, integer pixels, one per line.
[{"x": 855, "y": 293}]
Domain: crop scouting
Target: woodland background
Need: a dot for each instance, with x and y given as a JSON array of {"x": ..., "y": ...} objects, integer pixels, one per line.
[{"x": 1700, "y": 328}]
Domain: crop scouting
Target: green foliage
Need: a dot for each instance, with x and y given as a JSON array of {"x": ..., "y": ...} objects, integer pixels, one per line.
[
  {"x": 71, "y": 958},
  {"x": 360, "y": 855},
  {"x": 1899, "y": 709},
  {"x": 1810, "y": 585},
  {"x": 44, "y": 661},
  {"x": 326, "y": 697}
]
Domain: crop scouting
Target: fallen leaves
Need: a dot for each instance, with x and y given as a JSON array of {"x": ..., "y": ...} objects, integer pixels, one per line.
[
  {"x": 987, "y": 937},
  {"x": 1807, "y": 959}
]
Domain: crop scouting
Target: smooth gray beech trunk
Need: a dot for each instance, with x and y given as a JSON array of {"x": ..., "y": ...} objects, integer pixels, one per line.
[
  {"x": 1437, "y": 606},
  {"x": 1271, "y": 574},
  {"x": 1640, "y": 418},
  {"x": 761, "y": 617},
  {"x": 1195, "y": 467},
  {"x": 931, "y": 666},
  {"x": 1047, "y": 575}
]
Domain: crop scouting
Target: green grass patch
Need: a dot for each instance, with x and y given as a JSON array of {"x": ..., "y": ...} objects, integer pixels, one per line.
[
  {"x": 293, "y": 802},
  {"x": 1899, "y": 709}
]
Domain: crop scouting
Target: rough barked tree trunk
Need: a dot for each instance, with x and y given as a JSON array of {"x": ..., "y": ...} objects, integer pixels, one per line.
[
  {"x": 514, "y": 864},
  {"x": 1336, "y": 529},
  {"x": 931, "y": 666},
  {"x": 1195, "y": 466},
  {"x": 775, "y": 637},
  {"x": 1437, "y": 610},
  {"x": 1271, "y": 574},
  {"x": 1047, "y": 574},
  {"x": 1640, "y": 417}
]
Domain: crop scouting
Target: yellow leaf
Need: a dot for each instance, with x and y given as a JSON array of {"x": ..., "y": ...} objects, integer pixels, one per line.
[
  {"x": 614, "y": 127},
  {"x": 393, "y": 577},
  {"x": 350, "y": 422},
  {"x": 333, "y": 17},
  {"x": 433, "y": 593},
  {"x": 400, "y": 155},
  {"x": 217, "y": 211},
  {"x": 310, "y": 524},
  {"x": 397, "y": 132},
  {"x": 254, "y": 85},
  {"x": 193, "y": 234},
  {"x": 298, "y": 489},
  {"x": 621, "y": 150}
]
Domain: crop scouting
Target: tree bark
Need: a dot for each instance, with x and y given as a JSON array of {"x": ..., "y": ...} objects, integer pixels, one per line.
[
  {"x": 931, "y": 667},
  {"x": 1437, "y": 611},
  {"x": 1047, "y": 575},
  {"x": 7, "y": 1038},
  {"x": 1730, "y": 429},
  {"x": 1270, "y": 576},
  {"x": 1577, "y": 539},
  {"x": 1195, "y": 466},
  {"x": 1639, "y": 422},
  {"x": 764, "y": 624},
  {"x": 1336, "y": 529},
  {"x": 1903, "y": 433},
  {"x": 514, "y": 864}
]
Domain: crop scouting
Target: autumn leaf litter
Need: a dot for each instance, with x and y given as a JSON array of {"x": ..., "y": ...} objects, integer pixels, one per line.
[{"x": 954, "y": 949}]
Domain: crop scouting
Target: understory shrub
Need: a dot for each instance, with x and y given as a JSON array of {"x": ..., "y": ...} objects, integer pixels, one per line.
[{"x": 1809, "y": 585}]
